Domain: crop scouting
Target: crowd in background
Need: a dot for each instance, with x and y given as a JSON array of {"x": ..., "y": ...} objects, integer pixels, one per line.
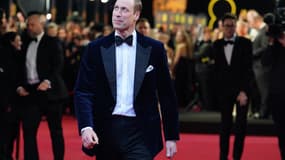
[{"x": 189, "y": 53}]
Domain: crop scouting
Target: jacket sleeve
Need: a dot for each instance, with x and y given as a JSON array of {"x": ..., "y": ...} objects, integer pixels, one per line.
[
  {"x": 167, "y": 99},
  {"x": 84, "y": 93}
]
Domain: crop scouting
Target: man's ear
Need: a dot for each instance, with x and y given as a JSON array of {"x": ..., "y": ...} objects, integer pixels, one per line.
[{"x": 137, "y": 15}]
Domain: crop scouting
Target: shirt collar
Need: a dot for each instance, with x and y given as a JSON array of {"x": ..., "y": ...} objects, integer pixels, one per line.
[
  {"x": 262, "y": 25},
  {"x": 40, "y": 36},
  {"x": 231, "y": 39}
]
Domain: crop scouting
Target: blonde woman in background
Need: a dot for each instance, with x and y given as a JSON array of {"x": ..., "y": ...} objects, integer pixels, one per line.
[
  {"x": 182, "y": 67},
  {"x": 242, "y": 29}
]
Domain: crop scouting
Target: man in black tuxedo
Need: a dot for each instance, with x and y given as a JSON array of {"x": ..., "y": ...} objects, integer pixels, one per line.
[
  {"x": 120, "y": 80},
  {"x": 233, "y": 70},
  {"x": 41, "y": 88}
]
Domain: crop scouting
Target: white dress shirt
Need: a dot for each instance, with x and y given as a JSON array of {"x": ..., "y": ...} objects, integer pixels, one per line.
[
  {"x": 125, "y": 74},
  {"x": 229, "y": 50},
  {"x": 31, "y": 60}
]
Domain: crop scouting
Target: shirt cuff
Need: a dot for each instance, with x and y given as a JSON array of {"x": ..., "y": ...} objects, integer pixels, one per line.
[
  {"x": 85, "y": 128},
  {"x": 18, "y": 89},
  {"x": 48, "y": 81}
]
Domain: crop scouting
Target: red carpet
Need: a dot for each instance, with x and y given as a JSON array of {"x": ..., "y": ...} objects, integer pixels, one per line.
[{"x": 190, "y": 147}]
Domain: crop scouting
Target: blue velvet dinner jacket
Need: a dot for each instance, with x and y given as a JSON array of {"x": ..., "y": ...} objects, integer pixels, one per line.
[{"x": 95, "y": 90}]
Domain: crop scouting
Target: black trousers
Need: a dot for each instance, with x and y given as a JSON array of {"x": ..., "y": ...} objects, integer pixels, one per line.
[
  {"x": 53, "y": 112},
  {"x": 277, "y": 103},
  {"x": 124, "y": 142},
  {"x": 255, "y": 97},
  {"x": 226, "y": 103},
  {"x": 262, "y": 81},
  {"x": 34, "y": 106}
]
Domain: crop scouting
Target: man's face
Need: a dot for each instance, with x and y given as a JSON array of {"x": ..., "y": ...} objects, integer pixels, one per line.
[
  {"x": 229, "y": 27},
  {"x": 143, "y": 28},
  {"x": 124, "y": 17},
  {"x": 52, "y": 32},
  {"x": 34, "y": 25},
  {"x": 61, "y": 34}
]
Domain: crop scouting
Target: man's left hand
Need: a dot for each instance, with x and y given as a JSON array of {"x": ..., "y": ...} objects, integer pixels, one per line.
[
  {"x": 44, "y": 85},
  {"x": 171, "y": 148},
  {"x": 242, "y": 98}
]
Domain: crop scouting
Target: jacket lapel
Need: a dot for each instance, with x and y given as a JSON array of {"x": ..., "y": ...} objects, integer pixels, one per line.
[
  {"x": 142, "y": 59},
  {"x": 223, "y": 54},
  {"x": 41, "y": 47},
  {"x": 108, "y": 53},
  {"x": 235, "y": 50}
]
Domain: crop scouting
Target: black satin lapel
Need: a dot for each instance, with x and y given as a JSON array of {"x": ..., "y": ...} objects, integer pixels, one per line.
[
  {"x": 109, "y": 60},
  {"x": 223, "y": 56},
  {"x": 233, "y": 55},
  {"x": 142, "y": 59},
  {"x": 235, "y": 50}
]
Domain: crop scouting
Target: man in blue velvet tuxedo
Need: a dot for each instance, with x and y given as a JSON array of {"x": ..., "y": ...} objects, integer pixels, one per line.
[{"x": 121, "y": 79}]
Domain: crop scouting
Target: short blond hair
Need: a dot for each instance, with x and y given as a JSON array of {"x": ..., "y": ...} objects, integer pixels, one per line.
[{"x": 138, "y": 5}]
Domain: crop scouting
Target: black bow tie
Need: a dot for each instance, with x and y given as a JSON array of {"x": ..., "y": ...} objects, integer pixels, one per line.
[
  {"x": 128, "y": 40},
  {"x": 228, "y": 42},
  {"x": 34, "y": 39}
]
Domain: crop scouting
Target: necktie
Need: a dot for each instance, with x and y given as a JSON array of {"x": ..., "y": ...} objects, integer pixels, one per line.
[
  {"x": 228, "y": 42},
  {"x": 128, "y": 40}
]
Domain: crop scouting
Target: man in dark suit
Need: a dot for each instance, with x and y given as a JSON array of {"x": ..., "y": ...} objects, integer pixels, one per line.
[
  {"x": 233, "y": 70},
  {"x": 117, "y": 91},
  {"x": 41, "y": 87},
  {"x": 143, "y": 26},
  {"x": 274, "y": 58},
  {"x": 261, "y": 73}
]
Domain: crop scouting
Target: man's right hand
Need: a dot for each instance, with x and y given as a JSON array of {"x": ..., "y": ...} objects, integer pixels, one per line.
[
  {"x": 22, "y": 91},
  {"x": 89, "y": 138}
]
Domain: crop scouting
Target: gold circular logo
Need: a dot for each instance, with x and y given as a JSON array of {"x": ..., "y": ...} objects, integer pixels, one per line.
[{"x": 211, "y": 13}]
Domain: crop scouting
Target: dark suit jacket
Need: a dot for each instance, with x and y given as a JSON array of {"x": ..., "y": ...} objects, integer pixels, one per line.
[
  {"x": 260, "y": 43},
  {"x": 95, "y": 91},
  {"x": 8, "y": 71},
  {"x": 203, "y": 56},
  {"x": 49, "y": 66},
  {"x": 259, "y": 46},
  {"x": 274, "y": 58},
  {"x": 233, "y": 78}
]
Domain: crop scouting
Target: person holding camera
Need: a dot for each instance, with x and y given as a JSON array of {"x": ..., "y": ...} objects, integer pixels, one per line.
[{"x": 274, "y": 58}]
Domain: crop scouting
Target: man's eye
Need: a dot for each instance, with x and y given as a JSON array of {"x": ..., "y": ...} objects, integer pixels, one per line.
[{"x": 124, "y": 10}]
